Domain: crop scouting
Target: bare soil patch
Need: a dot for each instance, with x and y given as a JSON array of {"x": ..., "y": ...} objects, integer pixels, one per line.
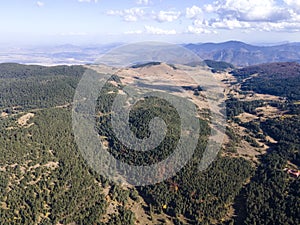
[
  {"x": 247, "y": 117},
  {"x": 4, "y": 114},
  {"x": 22, "y": 121}
]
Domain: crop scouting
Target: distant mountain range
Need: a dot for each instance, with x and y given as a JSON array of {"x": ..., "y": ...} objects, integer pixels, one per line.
[
  {"x": 242, "y": 54},
  {"x": 234, "y": 52}
]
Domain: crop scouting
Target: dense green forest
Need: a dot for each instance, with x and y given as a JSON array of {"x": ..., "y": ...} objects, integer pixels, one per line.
[
  {"x": 273, "y": 195},
  {"x": 201, "y": 197},
  {"x": 31, "y": 87},
  {"x": 45, "y": 180},
  {"x": 218, "y": 66},
  {"x": 280, "y": 79}
]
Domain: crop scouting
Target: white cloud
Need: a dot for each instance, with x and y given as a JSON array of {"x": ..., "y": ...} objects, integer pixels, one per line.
[
  {"x": 193, "y": 12},
  {"x": 152, "y": 30},
  {"x": 136, "y": 13},
  {"x": 230, "y": 24},
  {"x": 201, "y": 23},
  {"x": 129, "y": 15},
  {"x": 293, "y": 4},
  {"x": 159, "y": 31},
  {"x": 295, "y": 17},
  {"x": 96, "y": 1},
  {"x": 167, "y": 16},
  {"x": 261, "y": 15},
  {"x": 134, "y": 32},
  {"x": 143, "y": 2},
  {"x": 40, "y": 4},
  {"x": 280, "y": 26},
  {"x": 199, "y": 30},
  {"x": 209, "y": 8},
  {"x": 249, "y": 10},
  {"x": 114, "y": 12},
  {"x": 200, "y": 26},
  {"x": 245, "y": 15}
]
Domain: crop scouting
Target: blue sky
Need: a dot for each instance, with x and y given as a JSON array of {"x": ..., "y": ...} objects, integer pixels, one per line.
[{"x": 104, "y": 21}]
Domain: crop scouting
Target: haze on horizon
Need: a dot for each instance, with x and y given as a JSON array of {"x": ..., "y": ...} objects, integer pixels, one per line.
[{"x": 84, "y": 22}]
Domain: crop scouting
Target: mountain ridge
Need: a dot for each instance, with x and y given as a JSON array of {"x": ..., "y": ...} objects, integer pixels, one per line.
[{"x": 243, "y": 54}]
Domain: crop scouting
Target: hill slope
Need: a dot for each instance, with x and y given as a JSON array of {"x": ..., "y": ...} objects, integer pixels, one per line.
[
  {"x": 280, "y": 79},
  {"x": 45, "y": 180}
]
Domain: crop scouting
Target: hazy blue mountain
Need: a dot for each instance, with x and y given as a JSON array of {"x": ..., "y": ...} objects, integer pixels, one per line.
[{"x": 242, "y": 54}]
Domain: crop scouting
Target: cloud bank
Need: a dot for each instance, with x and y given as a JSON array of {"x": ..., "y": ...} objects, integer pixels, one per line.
[{"x": 247, "y": 15}]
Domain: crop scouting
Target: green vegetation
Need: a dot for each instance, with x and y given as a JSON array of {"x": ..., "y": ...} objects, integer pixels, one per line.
[
  {"x": 218, "y": 66},
  {"x": 123, "y": 217},
  {"x": 280, "y": 79},
  {"x": 200, "y": 197},
  {"x": 146, "y": 64},
  {"x": 272, "y": 197},
  {"x": 30, "y": 87},
  {"x": 45, "y": 180},
  {"x": 236, "y": 107}
]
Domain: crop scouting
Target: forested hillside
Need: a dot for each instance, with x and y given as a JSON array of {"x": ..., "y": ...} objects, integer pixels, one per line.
[
  {"x": 37, "y": 86},
  {"x": 45, "y": 180},
  {"x": 280, "y": 79},
  {"x": 272, "y": 196}
]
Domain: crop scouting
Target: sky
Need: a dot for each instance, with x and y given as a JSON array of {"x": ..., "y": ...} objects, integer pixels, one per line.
[{"x": 183, "y": 21}]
